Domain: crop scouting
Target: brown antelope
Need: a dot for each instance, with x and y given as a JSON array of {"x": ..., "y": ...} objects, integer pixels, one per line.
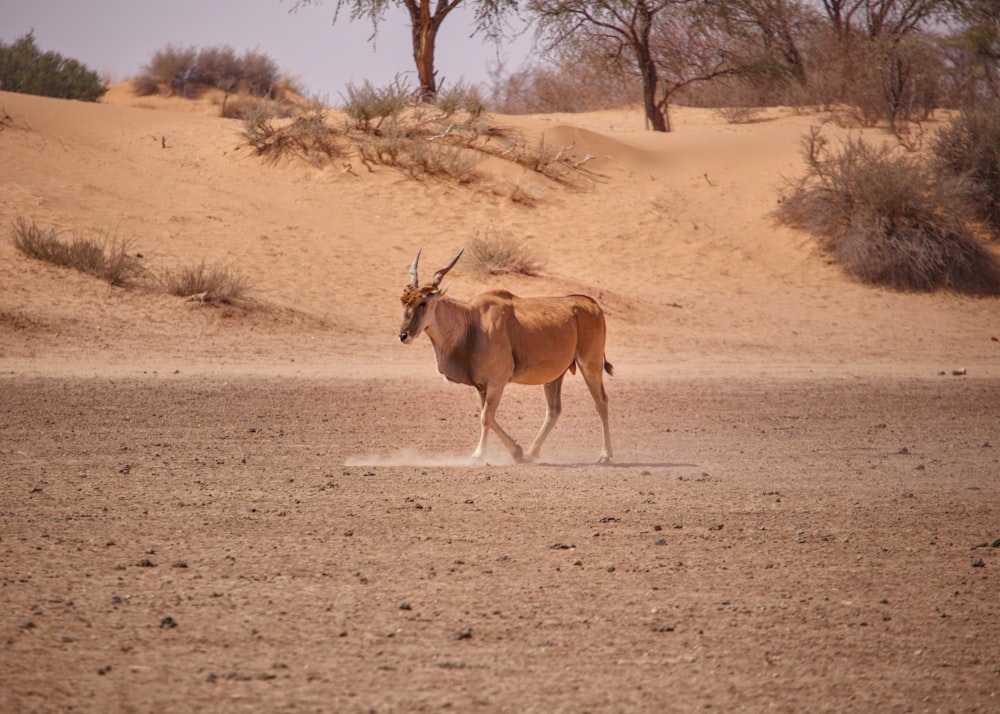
[{"x": 499, "y": 338}]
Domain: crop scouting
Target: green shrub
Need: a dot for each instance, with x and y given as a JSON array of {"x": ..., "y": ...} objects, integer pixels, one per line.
[
  {"x": 970, "y": 147},
  {"x": 889, "y": 221},
  {"x": 26, "y": 69}
]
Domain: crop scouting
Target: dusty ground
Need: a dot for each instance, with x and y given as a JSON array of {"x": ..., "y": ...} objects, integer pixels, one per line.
[
  {"x": 267, "y": 507},
  {"x": 199, "y": 544}
]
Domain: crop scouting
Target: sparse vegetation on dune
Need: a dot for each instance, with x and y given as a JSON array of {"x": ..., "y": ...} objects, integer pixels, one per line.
[
  {"x": 388, "y": 126},
  {"x": 113, "y": 261},
  {"x": 110, "y": 260},
  {"x": 250, "y": 82},
  {"x": 889, "y": 220}
]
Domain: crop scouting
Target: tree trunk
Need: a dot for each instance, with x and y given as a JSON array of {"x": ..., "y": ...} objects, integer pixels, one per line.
[
  {"x": 650, "y": 78},
  {"x": 641, "y": 40},
  {"x": 425, "y": 28}
]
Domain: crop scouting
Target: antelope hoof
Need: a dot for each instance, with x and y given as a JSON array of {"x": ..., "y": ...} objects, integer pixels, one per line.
[
  {"x": 518, "y": 453},
  {"x": 604, "y": 460}
]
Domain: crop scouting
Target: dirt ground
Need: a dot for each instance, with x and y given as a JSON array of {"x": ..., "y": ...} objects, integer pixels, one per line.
[{"x": 245, "y": 544}]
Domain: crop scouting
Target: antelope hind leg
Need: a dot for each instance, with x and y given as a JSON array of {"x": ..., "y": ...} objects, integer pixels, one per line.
[{"x": 553, "y": 407}]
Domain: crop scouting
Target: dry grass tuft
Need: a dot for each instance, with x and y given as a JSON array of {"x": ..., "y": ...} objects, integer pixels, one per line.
[
  {"x": 205, "y": 283},
  {"x": 110, "y": 260},
  {"x": 499, "y": 253},
  {"x": 114, "y": 262}
]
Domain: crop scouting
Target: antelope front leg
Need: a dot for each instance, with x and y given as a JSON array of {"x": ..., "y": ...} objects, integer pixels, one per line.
[
  {"x": 479, "y": 455},
  {"x": 490, "y": 400}
]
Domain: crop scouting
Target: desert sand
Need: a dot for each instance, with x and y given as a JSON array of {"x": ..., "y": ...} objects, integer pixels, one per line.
[{"x": 268, "y": 506}]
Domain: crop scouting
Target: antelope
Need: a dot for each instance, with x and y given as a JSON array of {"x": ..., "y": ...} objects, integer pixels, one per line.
[{"x": 499, "y": 338}]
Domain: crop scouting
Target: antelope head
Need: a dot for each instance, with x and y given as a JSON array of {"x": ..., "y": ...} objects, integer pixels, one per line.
[{"x": 418, "y": 300}]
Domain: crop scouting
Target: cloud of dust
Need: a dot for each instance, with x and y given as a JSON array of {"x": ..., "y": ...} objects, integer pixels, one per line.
[{"x": 410, "y": 457}]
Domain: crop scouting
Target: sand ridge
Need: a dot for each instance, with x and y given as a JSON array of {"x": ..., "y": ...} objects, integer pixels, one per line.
[{"x": 675, "y": 234}]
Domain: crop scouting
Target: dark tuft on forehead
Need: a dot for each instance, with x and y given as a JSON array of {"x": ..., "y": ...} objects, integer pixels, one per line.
[{"x": 413, "y": 294}]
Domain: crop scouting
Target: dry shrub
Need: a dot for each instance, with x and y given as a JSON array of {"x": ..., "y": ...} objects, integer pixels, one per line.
[
  {"x": 736, "y": 98},
  {"x": 969, "y": 147},
  {"x": 247, "y": 106},
  {"x": 113, "y": 262},
  {"x": 307, "y": 136},
  {"x": 110, "y": 260},
  {"x": 460, "y": 97},
  {"x": 428, "y": 158},
  {"x": 389, "y": 127},
  {"x": 889, "y": 221},
  {"x": 183, "y": 70},
  {"x": 498, "y": 252},
  {"x": 538, "y": 156},
  {"x": 206, "y": 283},
  {"x": 172, "y": 67},
  {"x": 369, "y": 106}
]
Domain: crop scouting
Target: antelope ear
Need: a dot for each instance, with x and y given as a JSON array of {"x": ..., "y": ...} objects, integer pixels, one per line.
[
  {"x": 444, "y": 271},
  {"x": 413, "y": 270}
]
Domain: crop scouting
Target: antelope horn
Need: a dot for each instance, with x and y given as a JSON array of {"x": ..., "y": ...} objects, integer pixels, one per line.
[
  {"x": 444, "y": 271},
  {"x": 413, "y": 270}
]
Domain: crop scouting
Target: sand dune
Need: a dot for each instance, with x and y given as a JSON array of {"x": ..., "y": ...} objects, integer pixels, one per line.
[{"x": 674, "y": 233}]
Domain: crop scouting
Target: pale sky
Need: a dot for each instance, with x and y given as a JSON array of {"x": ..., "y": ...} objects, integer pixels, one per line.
[{"x": 117, "y": 37}]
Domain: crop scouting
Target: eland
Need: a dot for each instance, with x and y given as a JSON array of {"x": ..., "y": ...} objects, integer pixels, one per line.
[{"x": 499, "y": 338}]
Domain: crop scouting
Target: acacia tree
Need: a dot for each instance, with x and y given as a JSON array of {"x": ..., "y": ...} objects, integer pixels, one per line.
[
  {"x": 888, "y": 18},
  {"x": 668, "y": 47},
  {"x": 690, "y": 46},
  {"x": 426, "y": 18},
  {"x": 775, "y": 29},
  {"x": 973, "y": 51}
]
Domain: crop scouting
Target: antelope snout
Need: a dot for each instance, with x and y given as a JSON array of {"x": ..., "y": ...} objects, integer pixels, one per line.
[{"x": 404, "y": 337}]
